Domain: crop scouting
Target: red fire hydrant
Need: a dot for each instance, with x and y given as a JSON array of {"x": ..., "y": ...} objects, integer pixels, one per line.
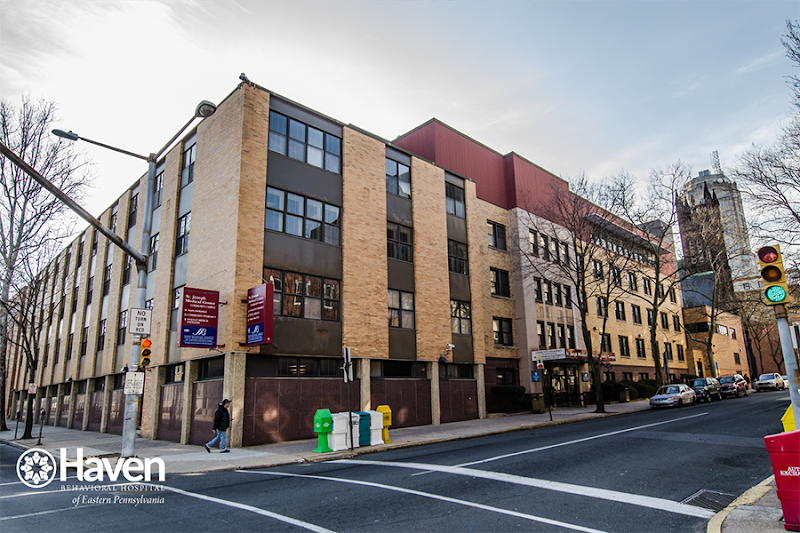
[{"x": 784, "y": 453}]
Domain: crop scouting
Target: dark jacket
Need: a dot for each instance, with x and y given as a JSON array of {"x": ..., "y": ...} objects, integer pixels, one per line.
[{"x": 222, "y": 419}]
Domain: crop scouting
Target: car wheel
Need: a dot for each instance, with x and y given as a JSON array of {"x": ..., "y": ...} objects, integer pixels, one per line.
[
  {"x": 746, "y": 392},
  {"x": 680, "y": 402}
]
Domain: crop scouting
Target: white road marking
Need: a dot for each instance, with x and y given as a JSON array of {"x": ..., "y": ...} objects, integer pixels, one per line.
[
  {"x": 436, "y": 497},
  {"x": 591, "y": 492},
  {"x": 576, "y": 441},
  {"x": 39, "y": 513}
]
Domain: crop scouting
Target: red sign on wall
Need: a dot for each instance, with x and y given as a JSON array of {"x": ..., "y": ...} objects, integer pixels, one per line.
[
  {"x": 259, "y": 315},
  {"x": 199, "y": 318}
]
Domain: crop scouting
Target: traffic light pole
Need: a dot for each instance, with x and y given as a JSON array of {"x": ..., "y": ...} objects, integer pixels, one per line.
[{"x": 789, "y": 358}]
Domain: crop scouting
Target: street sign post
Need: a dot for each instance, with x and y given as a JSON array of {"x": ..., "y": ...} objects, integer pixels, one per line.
[{"x": 140, "y": 321}]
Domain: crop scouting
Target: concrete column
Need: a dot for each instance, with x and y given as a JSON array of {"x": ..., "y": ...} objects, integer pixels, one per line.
[
  {"x": 108, "y": 388},
  {"x": 481, "y": 384},
  {"x": 47, "y": 396},
  {"x": 71, "y": 411},
  {"x": 59, "y": 395},
  {"x": 190, "y": 374},
  {"x": 87, "y": 400},
  {"x": 436, "y": 406},
  {"x": 363, "y": 369},
  {"x": 233, "y": 389},
  {"x": 152, "y": 401}
]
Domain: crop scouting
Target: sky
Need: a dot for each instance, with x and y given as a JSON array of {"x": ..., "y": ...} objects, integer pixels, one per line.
[{"x": 593, "y": 87}]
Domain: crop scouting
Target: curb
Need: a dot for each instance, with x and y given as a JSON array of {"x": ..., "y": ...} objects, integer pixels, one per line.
[{"x": 750, "y": 496}]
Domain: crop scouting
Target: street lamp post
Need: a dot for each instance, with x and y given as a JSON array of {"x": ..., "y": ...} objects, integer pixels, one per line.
[{"x": 204, "y": 109}]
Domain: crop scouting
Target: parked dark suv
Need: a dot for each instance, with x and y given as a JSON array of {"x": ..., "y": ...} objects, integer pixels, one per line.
[
  {"x": 707, "y": 388},
  {"x": 733, "y": 385}
]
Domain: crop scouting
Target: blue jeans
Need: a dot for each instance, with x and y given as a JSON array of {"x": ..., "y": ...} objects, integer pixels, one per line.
[{"x": 222, "y": 438}]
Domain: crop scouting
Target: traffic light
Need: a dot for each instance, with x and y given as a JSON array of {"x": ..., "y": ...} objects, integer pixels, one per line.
[
  {"x": 144, "y": 355},
  {"x": 773, "y": 276}
]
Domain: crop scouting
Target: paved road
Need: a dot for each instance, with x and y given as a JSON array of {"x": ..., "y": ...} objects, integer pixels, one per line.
[{"x": 621, "y": 474}]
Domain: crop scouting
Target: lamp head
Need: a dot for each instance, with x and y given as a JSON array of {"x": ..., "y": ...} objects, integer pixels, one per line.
[
  {"x": 205, "y": 109},
  {"x": 69, "y": 135}
]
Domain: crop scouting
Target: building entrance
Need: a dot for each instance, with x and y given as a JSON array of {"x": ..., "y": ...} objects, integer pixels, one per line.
[{"x": 562, "y": 385}]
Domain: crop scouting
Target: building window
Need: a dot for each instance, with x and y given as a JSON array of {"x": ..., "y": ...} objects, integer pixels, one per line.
[
  {"x": 668, "y": 351},
  {"x": 540, "y": 333},
  {"x": 101, "y": 335},
  {"x": 107, "y": 280},
  {"x": 457, "y": 257},
  {"x": 555, "y": 250},
  {"x": 640, "y": 351},
  {"x": 134, "y": 206},
  {"x": 302, "y": 217},
  {"x": 112, "y": 223},
  {"x": 605, "y": 342},
  {"x": 69, "y": 346},
  {"x": 398, "y": 178},
  {"x": 559, "y": 299},
  {"x": 153, "y": 258},
  {"x": 500, "y": 284},
  {"x": 632, "y": 284},
  {"x": 627, "y": 376},
  {"x": 733, "y": 333},
  {"x": 455, "y": 200},
  {"x": 650, "y": 317},
  {"x": 562, "y": 339},
  {"x": 602, "y": 306},
  {"x": 672, "y": 296},
  {"x": 681, "y": 356},
  {"x": 676, "y": 323},
  {"x": 567, "y": 296},
  {"x": 158, "y": 189},
  {"x": 624, "y": 349},
  {"x": 122, "y": 327},
  {"x": 597, "y": 269},
  {"x": 565, "y": 253},
  {"x": 551, "y": 335},
  {"x": 648, "y": 287},
  {"x": 401, "y": 309},
  {"x": 182, "y": 242},
  {"x": 502, "y": 331},
  {"x": 302, "y": 367},
  {"x": 291, "y": 137},
  {"x": 94, "y": 242},
  {"x": 177, "y": 292},
  {"x": 664, "y": 321},
  {"x": 303, "y": 296},
  {"x": 619, "y": 310},
  {"x": 187, "y": 176},
  {"x": 548, "y": 292},
  {"x": 148, "y": 304},
  {"x": 75, "y": 291},
  {"x": 400, "y": 243},
  {"x": 497, "y": 235},
  {"x": 533, "y": 239},
  {"x": 505, "y": 376},
  {"x": 460, "y": 318},
  {"x": 537, "y": 289},
  {"x": 636, "y": 314},
  {"x": 643, "y": 376},
  {"x": 616, "y": 276},
  {"x": 736, "y": 359},
  {"x": 90, "y": 291},
  {"x": 545, "y": 246},
  {"x": 609, "y": 376},
  {"x": 571, "y": 337},
  {"x": 84, "y": 340}
]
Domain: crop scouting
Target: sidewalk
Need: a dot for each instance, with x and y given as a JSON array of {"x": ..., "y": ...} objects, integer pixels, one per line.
[{"x": 756, "y": 510}]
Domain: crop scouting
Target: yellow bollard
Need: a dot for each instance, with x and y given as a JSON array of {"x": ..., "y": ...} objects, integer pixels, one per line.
[
  {"x": 788, "y": 420},
  {"x": 387, "y": 421}
]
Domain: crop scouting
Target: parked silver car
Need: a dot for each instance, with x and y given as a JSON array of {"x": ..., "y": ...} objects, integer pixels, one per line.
[
  {"x": 772, "y": 381},
  {"x": 675, "y": 395}
]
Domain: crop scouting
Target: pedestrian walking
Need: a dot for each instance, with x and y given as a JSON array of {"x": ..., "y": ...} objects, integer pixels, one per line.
[{"x": 222, "y": 419}]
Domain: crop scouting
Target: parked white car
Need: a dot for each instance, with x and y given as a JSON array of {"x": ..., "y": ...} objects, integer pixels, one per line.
[
  {"x": 674, "y": 395},
  {"x": 772, "y": 381}
]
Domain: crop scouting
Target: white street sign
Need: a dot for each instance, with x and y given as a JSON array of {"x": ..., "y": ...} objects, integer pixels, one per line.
[
  {"x": 31, "y": 388},
  {"x": 134, "y": 383},
  {"x": 549, "y": 355},
  {"x": 140, "y": 321}
]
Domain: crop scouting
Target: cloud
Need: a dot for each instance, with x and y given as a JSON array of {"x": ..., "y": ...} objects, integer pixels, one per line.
[{"x": 760, "y": 63}]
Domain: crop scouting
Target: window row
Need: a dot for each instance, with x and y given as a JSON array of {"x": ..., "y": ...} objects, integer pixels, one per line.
[
  {"x": 297, "y": 215},
  {"x": 548, "y": 248},
  {"x": 292, "y": 138},
  {"x": 624, "y": 249},
  {"x": 303, "y": 296},
  {"x": 553, "y": 336},
  {"x": 551, "y": 292},
  {"x": 398, "y": 178}
]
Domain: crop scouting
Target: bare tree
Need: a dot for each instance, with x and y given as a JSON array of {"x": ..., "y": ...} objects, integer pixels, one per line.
[
  {"x": 762, "y": 329},
  {"x": 31, "y": 219},
  {"x": 770, "y": 176},
  {"x": 655, "y": 214}
]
